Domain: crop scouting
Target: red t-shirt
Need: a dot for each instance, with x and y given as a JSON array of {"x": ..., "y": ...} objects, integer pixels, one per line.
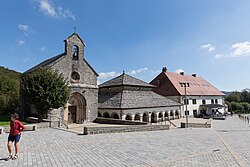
[{"x": 16, "y": 127}]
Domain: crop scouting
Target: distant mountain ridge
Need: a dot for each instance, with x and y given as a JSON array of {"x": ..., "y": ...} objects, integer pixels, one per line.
[{"x": 229, "y": 92}]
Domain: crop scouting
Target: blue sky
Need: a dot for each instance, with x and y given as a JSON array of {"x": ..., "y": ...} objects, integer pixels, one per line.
[{"x": 208, "y": 37}]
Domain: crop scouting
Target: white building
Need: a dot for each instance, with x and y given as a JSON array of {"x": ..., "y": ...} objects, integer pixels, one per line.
[{"x": 203, "y": 99}]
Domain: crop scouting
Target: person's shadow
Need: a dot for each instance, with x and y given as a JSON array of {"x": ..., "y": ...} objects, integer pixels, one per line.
[{"x": 3, "y": 159}]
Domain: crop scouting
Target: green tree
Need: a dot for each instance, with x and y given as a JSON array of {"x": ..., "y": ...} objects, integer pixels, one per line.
[
  {"x": 245, "y": 95},
  {"x": 234, "y": 106},
  {"x": 45, "y": 89},
  {"x": 234, "y": 96},
  {"x": 229, "y": 106},
  {"x": 240, "y": 107},
  {"x": 9, "y": 94},
  {"x": 246, "y": 107}
]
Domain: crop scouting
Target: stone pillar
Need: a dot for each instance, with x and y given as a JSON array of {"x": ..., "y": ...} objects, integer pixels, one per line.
[
  {"x": 141, "y": 117},
  {"x": 133, "y": 117},
  {"x": 173, "y": 114},
  {"x": 124, "y": 117},
  {"x": 157, "y": 117},
  {"x": 149, "y": 117}
]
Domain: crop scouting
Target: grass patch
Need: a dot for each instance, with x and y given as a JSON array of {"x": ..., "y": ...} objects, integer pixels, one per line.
[{"x": 5, "y": 120}]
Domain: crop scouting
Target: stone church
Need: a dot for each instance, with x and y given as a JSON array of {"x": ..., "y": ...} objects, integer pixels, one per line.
[{"x": 81, "y": 78}]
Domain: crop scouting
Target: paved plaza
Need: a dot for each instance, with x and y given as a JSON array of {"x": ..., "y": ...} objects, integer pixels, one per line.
[{"x": 226, "y": 144}]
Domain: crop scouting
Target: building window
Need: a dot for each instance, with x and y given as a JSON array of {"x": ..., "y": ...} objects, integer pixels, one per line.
[
  {"x": 212, "y": 101},
  {"x": 186, "y": 101},
  {"x": 194, "y": 101},
  {"x": 216, "y": 101},
  {"x": 203, "y": 101}
]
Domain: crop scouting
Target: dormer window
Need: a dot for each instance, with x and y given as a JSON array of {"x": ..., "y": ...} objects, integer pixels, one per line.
[{"x": 75, "y": 53}]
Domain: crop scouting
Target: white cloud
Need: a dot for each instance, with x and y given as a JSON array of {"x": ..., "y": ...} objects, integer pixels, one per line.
[
  {"x": 65, "y": 13},
  {"x": 241, "y": 49},
  {"x": 217, "y": 56},
  {"x": 26, "y": 29},
  {"x": 48, "y": 8},
  {"x": 210, "y": 47},
  {"x": 23, "y": 27},
  {"x": 133, "y": 72},
  {"x": 107, "y": 75},
  {"x": 179, "y": 71},
  {"x": 20, "y": 42}
]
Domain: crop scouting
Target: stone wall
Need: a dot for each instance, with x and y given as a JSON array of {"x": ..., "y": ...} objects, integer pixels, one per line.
[
  {"x": 117, "y": 121},
  {"x": 196, "y": 125},
  {"x": 122, "y": 129}
]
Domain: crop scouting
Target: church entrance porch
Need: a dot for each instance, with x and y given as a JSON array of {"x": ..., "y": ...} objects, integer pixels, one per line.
[{"x": 76, "y": 109}]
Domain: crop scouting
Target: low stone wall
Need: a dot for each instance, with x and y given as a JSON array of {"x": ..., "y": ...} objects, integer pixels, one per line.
[
  {"x": 33, "y": 127},
  {"x": 122, "y": 129},
  {"x": 29, "y": 127},
  {"x": 196, "y": 125},
  {"x": 117, "y": 121}
]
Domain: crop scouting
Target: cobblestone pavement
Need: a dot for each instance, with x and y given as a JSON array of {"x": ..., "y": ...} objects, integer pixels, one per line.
[{"x": 226, "y": 144}]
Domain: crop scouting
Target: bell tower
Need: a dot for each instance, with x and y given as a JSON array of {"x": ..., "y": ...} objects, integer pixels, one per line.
[{"x": 74, "y": 47}]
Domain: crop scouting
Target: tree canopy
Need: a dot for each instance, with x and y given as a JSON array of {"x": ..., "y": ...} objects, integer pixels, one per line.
[
  {"x": 45, "y": 89},
  {"x": 239, "y": 101},
  {"x": 9, "y": 90}
]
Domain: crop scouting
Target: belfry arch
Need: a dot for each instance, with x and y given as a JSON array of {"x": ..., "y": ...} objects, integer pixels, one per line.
[{"x": 77, "y": 108}]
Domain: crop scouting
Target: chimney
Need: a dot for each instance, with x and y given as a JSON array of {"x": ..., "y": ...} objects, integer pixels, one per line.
[
  {"x": 194, "y": 75},
  {"x": 182, "y": 73},
  {"x": 164, "y": 69}
]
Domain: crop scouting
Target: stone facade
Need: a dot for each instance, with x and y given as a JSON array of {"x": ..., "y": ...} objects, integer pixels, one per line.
[
  {"x": 128, "y": 98},
  {"x": 81, "y": 79}
]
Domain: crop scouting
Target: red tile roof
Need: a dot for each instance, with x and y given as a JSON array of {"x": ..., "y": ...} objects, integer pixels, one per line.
[{"x": 197, "y": 85}]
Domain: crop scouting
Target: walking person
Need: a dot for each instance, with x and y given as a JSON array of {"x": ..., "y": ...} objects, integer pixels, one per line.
[{"x": 15, "y": 134}]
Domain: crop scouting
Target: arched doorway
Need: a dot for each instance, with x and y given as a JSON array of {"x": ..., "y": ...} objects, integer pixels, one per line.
[
  {"x": 153, "y": 118},
  {"x": 137, "y": 117},
  {"x": 145, "y": 117},
  {"x": 106, "y": 115},
  {"x": 115, "y": 115},
  {"x": 129, "y": 117},
  {"x": 161, "y": 117},
  {"x": 171, "y": 114},
  {"x": 76, "y": 108},
  {"x": 177, "y": 114}
]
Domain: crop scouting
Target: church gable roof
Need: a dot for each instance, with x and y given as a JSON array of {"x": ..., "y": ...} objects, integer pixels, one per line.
[
  {"x": 45, "y": 63},
  {"x": 125, "y": 80}
]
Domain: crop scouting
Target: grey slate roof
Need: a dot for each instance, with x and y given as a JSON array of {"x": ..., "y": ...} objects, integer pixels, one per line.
[
  {"x": 45, "y": 63},
  {"x": 134, "y": 99},
  {"x": 125, "y": 79}
]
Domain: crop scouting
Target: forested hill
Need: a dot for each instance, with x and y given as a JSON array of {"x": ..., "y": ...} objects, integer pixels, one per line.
[{"x": 10, "y": 73}]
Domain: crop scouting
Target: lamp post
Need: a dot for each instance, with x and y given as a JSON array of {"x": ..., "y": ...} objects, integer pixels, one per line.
[{"x": 185, "y": 85}]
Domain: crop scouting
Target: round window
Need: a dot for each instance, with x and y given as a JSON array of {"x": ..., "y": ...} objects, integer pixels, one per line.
[{"x": 75, "y": 76}]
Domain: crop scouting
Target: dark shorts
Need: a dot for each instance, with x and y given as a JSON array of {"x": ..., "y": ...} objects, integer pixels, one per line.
[{"x": 15, "y": 138}]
